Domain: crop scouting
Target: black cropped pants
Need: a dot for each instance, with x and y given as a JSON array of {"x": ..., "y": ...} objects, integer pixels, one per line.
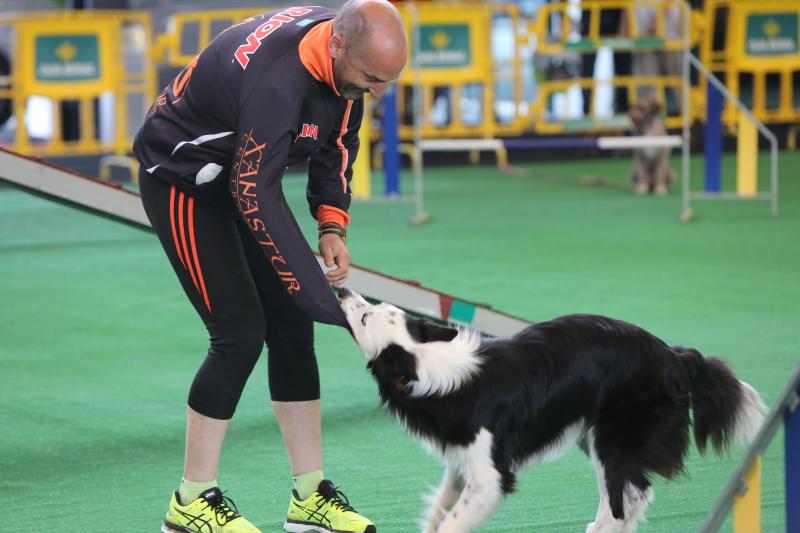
[{"x": 239, "y": 297}]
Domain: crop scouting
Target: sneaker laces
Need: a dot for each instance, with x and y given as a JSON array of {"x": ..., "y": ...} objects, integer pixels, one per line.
[
  {"x": 224, "y": 509},
  {"x": 332, "y": 494}
]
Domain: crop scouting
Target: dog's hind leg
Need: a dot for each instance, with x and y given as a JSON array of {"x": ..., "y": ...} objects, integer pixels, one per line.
[
  {"x": 441, "y": 501},
  {"x": 636, "y": 503},
  {"x": 604, "y": 522},
  {"x": 482, "y": 492},
  {"x": 622, "y": 503}
]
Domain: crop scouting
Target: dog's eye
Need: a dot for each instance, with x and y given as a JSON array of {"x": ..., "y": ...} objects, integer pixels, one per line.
[{"x": 364, "y": 319}]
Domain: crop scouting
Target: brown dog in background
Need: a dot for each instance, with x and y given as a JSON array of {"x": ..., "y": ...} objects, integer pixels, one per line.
[{"x": 651, "y": 171}]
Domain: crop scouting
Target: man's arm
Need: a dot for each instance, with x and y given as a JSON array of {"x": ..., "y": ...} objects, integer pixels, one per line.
[
  {"x": 329, "y": 175},
  {"x": 258, "y": 166},
  {"x": 331, "y": 168}
]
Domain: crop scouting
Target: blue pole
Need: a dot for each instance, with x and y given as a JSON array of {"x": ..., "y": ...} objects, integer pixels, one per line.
[
  {"x": 713, "y": 138},
  {"x": 391, "y": 148},
  {"x": 791, "y": 443}
]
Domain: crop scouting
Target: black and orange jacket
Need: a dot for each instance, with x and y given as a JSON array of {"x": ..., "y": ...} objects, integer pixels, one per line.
[{"x": 260, "y": 97}]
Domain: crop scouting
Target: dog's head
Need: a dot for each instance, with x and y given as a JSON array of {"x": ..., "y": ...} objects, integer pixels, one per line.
[
  {"x": 644, "y": 113},
  {"x": 376, "y": 327},
  {"x": 406, "y": 351}
]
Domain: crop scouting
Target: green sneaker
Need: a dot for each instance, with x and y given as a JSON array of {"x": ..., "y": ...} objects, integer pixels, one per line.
[
  {"x": 210, "y": 513},
  {"x": 325, "y": 511}
]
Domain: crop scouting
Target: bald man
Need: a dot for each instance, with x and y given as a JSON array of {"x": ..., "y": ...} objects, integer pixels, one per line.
[{"x": 274, "y": 90}]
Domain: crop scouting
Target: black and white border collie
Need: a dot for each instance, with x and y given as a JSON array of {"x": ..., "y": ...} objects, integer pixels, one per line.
[{"x": 489, "y": 407}]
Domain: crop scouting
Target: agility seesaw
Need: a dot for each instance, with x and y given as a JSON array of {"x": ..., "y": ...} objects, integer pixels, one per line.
[{"x": 117, "y": 203}]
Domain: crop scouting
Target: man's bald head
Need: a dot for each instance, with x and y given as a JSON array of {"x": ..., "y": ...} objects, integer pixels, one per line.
[{"x": 369, "y": 44}]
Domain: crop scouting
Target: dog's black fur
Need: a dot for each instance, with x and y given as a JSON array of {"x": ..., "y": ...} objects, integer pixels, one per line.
[
  {"x": 489, "y": 406},
  {"x": 632, "y": 389}
]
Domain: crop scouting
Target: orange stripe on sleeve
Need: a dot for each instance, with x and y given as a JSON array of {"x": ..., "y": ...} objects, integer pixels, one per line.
[
  {"x": 188, "y": 263},
  {"x": 339, "y": 143},
  {"x": 196, "y": 256},
  {"x": 328, "y": 213}
]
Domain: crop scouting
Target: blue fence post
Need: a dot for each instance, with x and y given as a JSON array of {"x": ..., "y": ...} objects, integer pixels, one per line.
[
  {"x": 713, "y": 138},
  {"x": 791, "y": 437},
  {"x": 391, "y": 148}
]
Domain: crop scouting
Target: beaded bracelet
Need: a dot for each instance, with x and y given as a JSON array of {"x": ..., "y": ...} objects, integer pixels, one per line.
[{"x": 332, "y": 228}]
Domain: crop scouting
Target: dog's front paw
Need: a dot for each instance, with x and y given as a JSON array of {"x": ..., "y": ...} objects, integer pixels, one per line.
[
  {"x": 448, "y": 526},
  {"x": 430, "y": 525},
  {"x": 615, "y": 526},
  {"x": 435, "y": 516}
]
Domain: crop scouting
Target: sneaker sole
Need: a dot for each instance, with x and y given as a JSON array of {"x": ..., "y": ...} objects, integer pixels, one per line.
[
  {"x": 172, "y": 529},
  {"x": 295, "y": 527},
  {"x": 290, "y": 527}
]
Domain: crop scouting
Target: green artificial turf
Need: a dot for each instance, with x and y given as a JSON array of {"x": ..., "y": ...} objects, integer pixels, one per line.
[{"x": 99, "y": 345}]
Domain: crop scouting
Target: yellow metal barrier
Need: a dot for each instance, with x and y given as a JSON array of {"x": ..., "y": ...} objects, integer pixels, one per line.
[
  {"x": 547, "y": 122},
  {"x": 560, "y": 31},
  {"x": 454, "y": 70},
  {"x": 752, "y": 46},
  {"x": 188, "y": 33},
  {"x": 80, "y": 82},
  {"x": 636, "y": 38},
  {"x": 361, "y": 184}
]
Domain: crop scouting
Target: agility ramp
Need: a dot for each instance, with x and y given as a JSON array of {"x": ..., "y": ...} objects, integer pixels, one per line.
[{"x": 117, "y": 203}]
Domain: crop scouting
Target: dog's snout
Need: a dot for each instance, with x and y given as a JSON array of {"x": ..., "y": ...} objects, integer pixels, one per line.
[{"x": 344, "y": 292}]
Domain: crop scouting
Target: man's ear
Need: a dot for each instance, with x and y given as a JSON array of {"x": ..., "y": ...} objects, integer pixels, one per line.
[
  {"x": 336, "y": 45},
  {"x": 423, "y": 331}
]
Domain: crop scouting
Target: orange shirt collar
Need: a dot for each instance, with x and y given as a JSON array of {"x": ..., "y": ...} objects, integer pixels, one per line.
[{"x": 315, "y": 55}]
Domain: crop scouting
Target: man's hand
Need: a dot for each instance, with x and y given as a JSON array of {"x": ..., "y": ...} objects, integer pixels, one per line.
[{"x": 334, "y": 252}]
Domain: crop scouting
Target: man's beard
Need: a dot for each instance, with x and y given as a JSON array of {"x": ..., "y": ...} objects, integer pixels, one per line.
[{"x": 352, "y": 92}]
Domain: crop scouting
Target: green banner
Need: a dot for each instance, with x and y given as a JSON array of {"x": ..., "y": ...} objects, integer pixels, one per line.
[
  {"x": 771, "y": 34},
  {"x": 67, "y": 58},
  {"x": 616, "y": 43},
  {"x": 444, "y": 46}
]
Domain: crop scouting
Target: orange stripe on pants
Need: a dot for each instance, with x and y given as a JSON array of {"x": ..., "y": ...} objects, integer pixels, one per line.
[
  {"x": 196, "y": 256},
  {"x": 188, "y": 263},
  {"x": 172, "y": 223}
]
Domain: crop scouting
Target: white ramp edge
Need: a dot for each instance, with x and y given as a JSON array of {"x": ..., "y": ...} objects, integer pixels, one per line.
[{"x": 113, "y": 201}]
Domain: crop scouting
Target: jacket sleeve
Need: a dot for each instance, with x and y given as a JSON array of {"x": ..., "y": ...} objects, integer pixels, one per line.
[
  {"x": 331, "y": 168},
  {"x": 264, "y": 136}
]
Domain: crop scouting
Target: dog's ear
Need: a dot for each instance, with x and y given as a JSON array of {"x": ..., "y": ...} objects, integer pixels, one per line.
[
  {"x": 423, "y": 331},
  {"x": 635, "y": 112},
  {"x": 655, "y": 107},
  {"x": 394, "y": 365}
]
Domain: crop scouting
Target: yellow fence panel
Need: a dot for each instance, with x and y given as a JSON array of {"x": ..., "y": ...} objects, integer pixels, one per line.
[
  {"x": 87, "y": 75},
  {"x": 754, "y": 47},
  {"x": 190, "y": 32},
  {"x": 568, "y": 31},
  {"x": 454, "y": 68},
  {"x": 635, "y": 39}
]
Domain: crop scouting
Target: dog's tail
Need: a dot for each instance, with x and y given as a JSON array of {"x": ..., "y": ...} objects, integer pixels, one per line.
[{"x": 725, "y": 410}]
